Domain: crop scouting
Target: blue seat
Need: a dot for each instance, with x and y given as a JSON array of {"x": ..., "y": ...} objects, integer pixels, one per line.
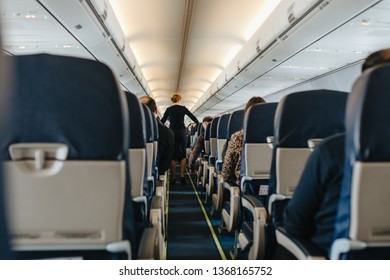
[
  {"x": 140, "y": 192},
  {"x": 256, "y": 160},
  {"x": 155, "y": 172},
  {"x": 226, "y": 192},
  {"x": 362, "y": 225},
  {"x": 299, "y": 118},
  {"x": 147, "y": 206},
  {"x": 5, "y": 67},
  {"x": 203, "y": 170},
  {"x": 5, "y": 252},
  {"x": 211, "y": 162},
  {"x": 207, "y": 139},
  {"x": 65, "y": 159},
  {"x": 222, "y": 132},
  {"x": 150, "y": 128},
  {"x": 157, "y": 208},
  {"x": 199, "y": 130}
]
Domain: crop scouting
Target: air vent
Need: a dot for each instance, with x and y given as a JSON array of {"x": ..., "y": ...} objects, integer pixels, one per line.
[
  {"x": 123, "y": 45},
  {"x": 258, "y": 49},
  {"x": 290, "y": 12}
]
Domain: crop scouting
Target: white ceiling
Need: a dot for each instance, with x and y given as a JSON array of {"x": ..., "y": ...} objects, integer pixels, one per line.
[
  {"x": 216, "y": 52},
  {"x": 218, "y": 30}
]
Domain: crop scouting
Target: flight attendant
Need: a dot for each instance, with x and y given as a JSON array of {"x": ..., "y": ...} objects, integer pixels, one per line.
[{"x": 175, "y": 114}]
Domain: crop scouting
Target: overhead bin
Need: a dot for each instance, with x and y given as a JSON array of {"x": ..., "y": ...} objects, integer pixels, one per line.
[
  {"x": 94, "y": 24},
  {"x": 290, "y": 28}
]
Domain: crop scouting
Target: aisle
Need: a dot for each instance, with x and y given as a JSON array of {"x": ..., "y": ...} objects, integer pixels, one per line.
[{"x": 189, "y": 235}]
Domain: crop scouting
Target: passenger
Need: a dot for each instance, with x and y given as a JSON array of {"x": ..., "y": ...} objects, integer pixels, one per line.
[
  {"x": 312, "y": 211},
  {"x": 176, "y": 114},
  {"x": 198, "y": 147},
  {"x": 165, "y": 138},
  {"x": 232, "y": 160}
]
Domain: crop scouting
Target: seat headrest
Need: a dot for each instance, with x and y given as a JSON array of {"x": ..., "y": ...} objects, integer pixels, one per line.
[
  {"x": 137, "y": 137},
  {"x": 214, "y": 127},
  {"x": 222, "y": 126},
  {"x": 155, "y": 128},
  {"x": 148, "y": 123},
  {"x": 368, "y": 116},
  {"x": 74, "y": 101},
  {"x": 199, "y": 128},
  {"x": 308, "y": 114},
  {"x": 259, "y": 123},
  {"x": 207, "y": 132},
  {"x": 235, "y": 122}
]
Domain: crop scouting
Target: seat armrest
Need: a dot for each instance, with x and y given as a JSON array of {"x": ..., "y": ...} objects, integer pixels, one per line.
[
  {"x": 156, "y": 202},
  {"x": 229, "y": 184},
  {"x": 144, "y": 200},
  {"x": 212, "y": 161},
  {"x": 120, "y": 247},
  {"x": 274, "y": 198},
  {"x": 312, "y": 143},
  {"x": 258, "y": 247},
  {"x": 270, "y": 141},
  {"x": 302, "y": 249},
  {"x": 345, "y": 245},
  {"x": 253, "y": 201},
  {"x": 148, "y": 247},
  {"x": 155, "y": 215}
]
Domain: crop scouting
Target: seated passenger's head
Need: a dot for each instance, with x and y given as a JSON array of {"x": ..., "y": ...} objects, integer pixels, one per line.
[
  {"x": 150, "y": 103},
  {"x": 254, "y": 100},
  {"x": 206, "y": 120},
  {"x": 376, "y": 58}
]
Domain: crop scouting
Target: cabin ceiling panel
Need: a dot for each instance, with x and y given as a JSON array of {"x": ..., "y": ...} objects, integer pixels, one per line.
[
  {"x": 217, "y": 31},
  {"x": 153, "y": 30},
  {"x": 347, "y": 45},
  {"x": 27, "y": 28}
]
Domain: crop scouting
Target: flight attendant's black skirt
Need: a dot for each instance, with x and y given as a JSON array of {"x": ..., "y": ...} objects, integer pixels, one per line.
[{"x": 180, "y": 138}]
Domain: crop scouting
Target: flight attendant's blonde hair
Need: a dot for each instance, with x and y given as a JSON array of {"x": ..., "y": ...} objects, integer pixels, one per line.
[{"x": 175, "y": 98}]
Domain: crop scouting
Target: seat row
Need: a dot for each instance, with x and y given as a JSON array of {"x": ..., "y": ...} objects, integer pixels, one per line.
[
  {"x": 79, "y": 164},
  {"x": 278, "y": 140}
]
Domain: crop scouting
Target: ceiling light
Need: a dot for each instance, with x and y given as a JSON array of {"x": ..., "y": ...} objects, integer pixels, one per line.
[{"x": 365, "y": 22}]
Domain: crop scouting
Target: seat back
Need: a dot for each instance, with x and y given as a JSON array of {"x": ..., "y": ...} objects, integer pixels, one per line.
[
  {"x": 235, "y": 122},
  {"x": 363, "y": 209},
  {"x": 149, "y": 138},
  {"x": 299, "y": 117},
  {"x": 137, "y": 147},
  {"x": 222, "y": 131},
  {"x": 155, "y": 146},
  {"x": 64, "y": 159},
  {"x": 213, "y": 137},
  {"x": 257, "y": 154},
  {"x": 5, "y": 70},
  {"x": 207, "y": 139}
]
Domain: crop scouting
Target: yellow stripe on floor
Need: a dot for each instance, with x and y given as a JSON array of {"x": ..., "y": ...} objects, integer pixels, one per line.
[{"x": 216, "y": 241}]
